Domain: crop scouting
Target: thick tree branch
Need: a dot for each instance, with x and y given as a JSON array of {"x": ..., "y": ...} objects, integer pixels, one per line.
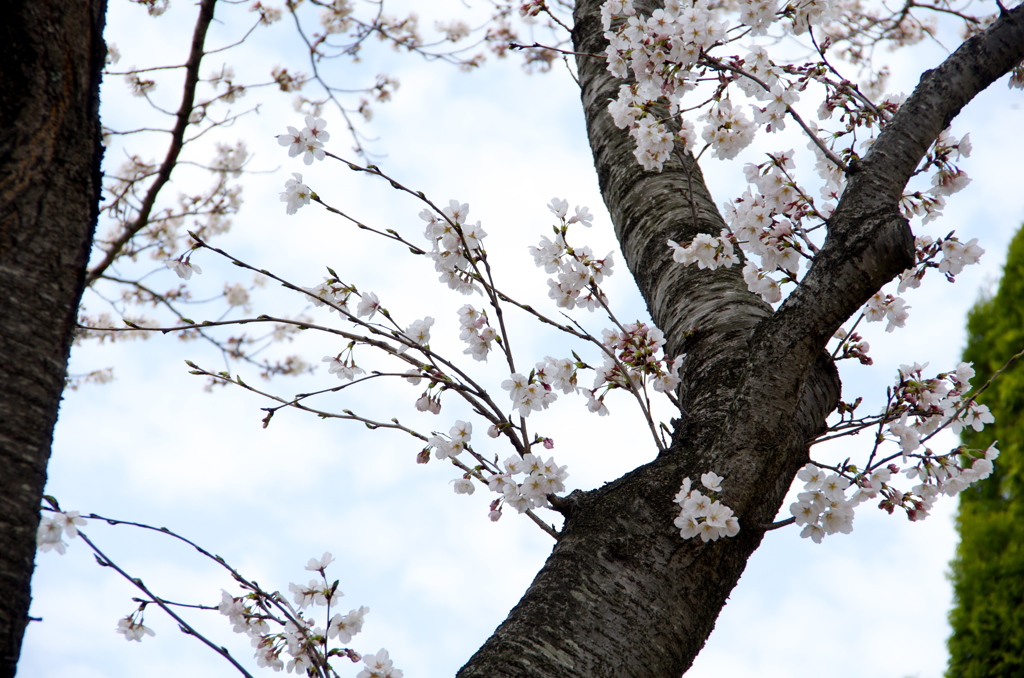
[
  {"x": 937, "y": 99},
  {"x": 622, "y": 594},
  {"x": 869, "y": 242}
]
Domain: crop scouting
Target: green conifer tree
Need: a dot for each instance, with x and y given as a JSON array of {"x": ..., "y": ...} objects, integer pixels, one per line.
[{"x": 988, "y": 570}]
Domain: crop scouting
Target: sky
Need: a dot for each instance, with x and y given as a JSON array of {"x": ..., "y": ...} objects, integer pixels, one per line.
[{"x": 154, "y": 446}]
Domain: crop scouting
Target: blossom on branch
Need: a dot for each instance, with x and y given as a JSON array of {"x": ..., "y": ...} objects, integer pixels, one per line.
[
  {"x": 54, "y": 526},
  {"x": 132, "y": 630},
  {"x": 309, "y": 141},
  {"x": 418, "y": 332},
  {"x": 296, "y": 193},
  {"x": 702, "y": 515},
  {"x": 379, "y": 666},
  {"x": 183, "y": 267}
]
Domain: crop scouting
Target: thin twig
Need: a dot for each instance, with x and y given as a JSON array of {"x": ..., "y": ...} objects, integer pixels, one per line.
[
  {"x": 174, "y": 150},
  {"x": 187, "y": 628}
]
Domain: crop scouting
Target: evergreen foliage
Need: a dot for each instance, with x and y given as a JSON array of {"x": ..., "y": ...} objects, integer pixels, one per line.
[{"x": 988, "y": 570}]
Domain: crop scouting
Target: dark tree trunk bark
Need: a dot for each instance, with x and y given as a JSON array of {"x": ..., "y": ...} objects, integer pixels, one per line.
[
  {"x": 622, "y": 594},
  {"x": 52, "y": 54}
]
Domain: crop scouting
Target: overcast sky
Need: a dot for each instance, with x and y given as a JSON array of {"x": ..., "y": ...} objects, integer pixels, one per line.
[{"x": 154, "y": 446}]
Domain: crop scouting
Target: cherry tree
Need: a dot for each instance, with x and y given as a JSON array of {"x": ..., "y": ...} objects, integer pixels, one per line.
[
  {"x": 751, "y": 309},
  {"x": 49, "y": 184}
]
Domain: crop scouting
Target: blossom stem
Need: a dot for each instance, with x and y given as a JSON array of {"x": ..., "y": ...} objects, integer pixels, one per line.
[{"x": 185, "y": 627}]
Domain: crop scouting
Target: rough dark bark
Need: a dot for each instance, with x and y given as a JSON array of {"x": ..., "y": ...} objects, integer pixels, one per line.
[
  {"x": 621, "y": 594},
  {"x": 52, "y": 54}
]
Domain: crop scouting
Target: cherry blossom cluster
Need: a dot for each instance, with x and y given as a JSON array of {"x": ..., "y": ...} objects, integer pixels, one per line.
[
  {"x": 308, "y": 142},
  {"x": 296, "y": 194},
  {"x": 707, "y": 251},
  {"x": 331, "y": 293},
  {"x": 949, "y": 474},
  {"x": 634, "y": 357},
  {"x": 54, "y": 526},
  {"x": 476, "y": 332},
  {"x": 528, "y": 393},
  {"x": 765, "y": 225},
  {"x": 886, "y": 307},
  {"x": 1017, "y": 77},
  {"x": 822, "y": 508},
  {"x": 230, "y": 159},
  {"x": 665, "y": 53},
  {"x": 300, "y": 646},
  {"x": 955, "y": 255},
  {"x": 537, "y": 390},
  {"x": 703, "y": 514},
  {"x": 925, "y": 405},
  {"x": 337, "y": 18},
  {"x": 918, "y": 408},
  {"x": 660, "y": 51},
  {"x": 237, "y": 295},
  {"x": 268, "y": 15},
  {"x": 418, "y": 332},
  {"x": 344, "y": 364},
  {"x": 183, "y": 266},
  {"x": 727, "y": 131},
  {"x": 379, "y": 665},
  {"x": 455, "y": 245},
  {"x": 557, "y": 374},
  {"x": 669, "y": 51},
  {"x": 429, "y": 401},
  {"x": 452, "y": 445},
  {"x": 577, "y": 268},
  {"x": 762, "y": 284},
  {"x": 133, "y": 626},
  {"x": 946, "y": 177},
  {"x": 336, "y": 295},
  {"x": 541, "y": 478},
  {"x": 852, "y": 345}
]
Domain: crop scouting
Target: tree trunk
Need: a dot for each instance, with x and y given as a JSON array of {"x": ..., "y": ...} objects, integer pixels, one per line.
[
  {"x": 52, "y": 54},
  {"x": 622, "y": 594}
]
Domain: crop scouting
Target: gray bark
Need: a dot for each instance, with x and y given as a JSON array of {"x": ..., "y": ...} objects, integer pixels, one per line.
[
  {"x": 622, "y": 594},
  {"x": 51, "y": 54}
]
